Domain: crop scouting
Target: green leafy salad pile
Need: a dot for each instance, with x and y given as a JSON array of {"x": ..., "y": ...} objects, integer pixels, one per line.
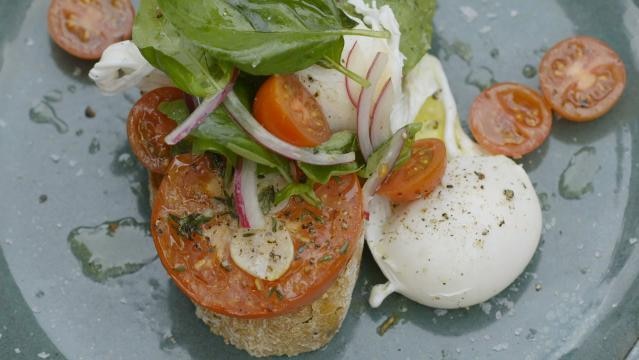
[{"x": 201, "y": 44}]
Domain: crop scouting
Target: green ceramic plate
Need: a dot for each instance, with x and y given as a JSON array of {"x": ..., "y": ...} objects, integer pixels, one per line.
[{"x": 78, "y": 275}]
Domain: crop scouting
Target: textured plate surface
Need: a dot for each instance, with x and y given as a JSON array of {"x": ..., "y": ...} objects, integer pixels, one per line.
[{"x": 579, "y": 297}]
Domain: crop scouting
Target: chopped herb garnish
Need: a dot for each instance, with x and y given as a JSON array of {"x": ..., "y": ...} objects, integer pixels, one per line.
[
  {"x": 509, "y": 194},
  {"x": 277, "y": 292},
  {"x": 190, "y": 224},
  {"x": 326, "y": 258},
  {"x": 180, "y": 268},
  {"x": 274, "y": 228},
  {"x": 266, "y": 198}
]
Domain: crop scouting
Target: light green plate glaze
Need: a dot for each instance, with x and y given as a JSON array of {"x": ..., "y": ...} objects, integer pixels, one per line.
[{"x": 579, "y": 298}]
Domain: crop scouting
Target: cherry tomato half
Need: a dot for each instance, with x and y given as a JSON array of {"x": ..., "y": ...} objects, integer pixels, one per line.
[
  {"x": 582, "y": 78},
  {"x": 84, "y": 28},
  {"x": 510, "y": 119},
  {"x": 420, "y": 175},
  {"x": 285, "y": 108},
  {"x": 202, "y": 267},
  {"x": 147, "y": 127}
]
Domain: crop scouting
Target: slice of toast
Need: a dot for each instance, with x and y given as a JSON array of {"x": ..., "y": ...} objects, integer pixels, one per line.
[{"x": 307, "y": 329}]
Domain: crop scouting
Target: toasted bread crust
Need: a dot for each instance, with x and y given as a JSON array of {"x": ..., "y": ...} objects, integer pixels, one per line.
[{"x": 307, "y": 329}]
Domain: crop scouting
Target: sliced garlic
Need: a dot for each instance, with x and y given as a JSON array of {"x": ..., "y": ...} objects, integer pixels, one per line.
[{"x": 265, "y": 254}]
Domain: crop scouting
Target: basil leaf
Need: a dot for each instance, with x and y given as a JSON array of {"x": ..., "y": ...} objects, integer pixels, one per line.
[
  {"x": 264, "y": 37},
  {"x": 404, "y": 155},
  {"x": 415, "y": 19},
  {"x": 298, "y": 189},
  {"x": 191, "y": 68}
]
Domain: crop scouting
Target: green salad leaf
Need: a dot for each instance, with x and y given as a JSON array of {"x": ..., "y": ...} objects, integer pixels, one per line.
[
  {"x": 220, "y": 134},
  {"x": 304, "y": 190},
  {"x": 341, "y": 142},
  {"x": 192, "y": 68},
  {"x": 264, "y": 37},
  {"x": 415, "y": 19},
  {"x": 404, "y": 155}
]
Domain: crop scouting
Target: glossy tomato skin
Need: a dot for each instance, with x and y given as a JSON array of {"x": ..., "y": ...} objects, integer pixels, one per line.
[
  {"x": 201, "y": 266},
  {"x": 147, "y": 127},
  {"x": 287, "y": 110},
  {"x": 582, "y": 78},
  {"x": 510, "y": 119},
  {"x": 84, "y": 28},
  {"x": 420, "y": 175}
]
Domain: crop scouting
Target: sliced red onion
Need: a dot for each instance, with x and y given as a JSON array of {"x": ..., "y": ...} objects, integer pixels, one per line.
[
  {"x": 247, "y": 205},
  {"x": 353, "y": 89},
  {"x": 244, "y": 118},
  {"x": 380, "y": 125},
  {"x": 365, "y": 104},
  {"x": 203, "y": 110},
  {"x": 384, "y": 167},
  {"x": 192, "y": 102}
]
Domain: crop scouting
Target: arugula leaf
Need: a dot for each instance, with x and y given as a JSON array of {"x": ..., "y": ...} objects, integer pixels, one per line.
[
  {"x": 341, "y": 142},
  {"x": 264, "y": 37},
  {"x": 305, "y": 191},
  {"x": 191, "y": 68},
  {"x": 415, "y": 19},
  {"x": 404, "y": 155}
]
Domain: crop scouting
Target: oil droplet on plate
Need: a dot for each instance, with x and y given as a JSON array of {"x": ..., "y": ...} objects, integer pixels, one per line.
[
  {"x": 112, "y": 249},
  {"x": 529, "y": 71},
  {"x": 43, "y": 113},
  {"x": 576, "y": 179},
  {"x": 53, "y": 96},
  {"x": 544, "y": 201},
  {"x": 481, "y": 78}
]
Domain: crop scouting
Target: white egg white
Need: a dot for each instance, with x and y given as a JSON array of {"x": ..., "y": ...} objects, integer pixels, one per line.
[{"x": 464, "y": 243}]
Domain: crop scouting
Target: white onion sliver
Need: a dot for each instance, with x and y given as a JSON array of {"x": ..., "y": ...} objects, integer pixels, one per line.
[
  {"x": 384, "y": 167},
  {"x": 198, "y": 116},
  {"x": 365, "y": 103},
  {"x": 247, "y": 204},
  {"x": 244, "y": 118},
  {"x": 380, "y": 124}
]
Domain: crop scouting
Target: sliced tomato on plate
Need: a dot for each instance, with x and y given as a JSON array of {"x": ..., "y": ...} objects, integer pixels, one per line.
[
  {"x": 147, "y": 127},
  {"x": 200, "y": 262},
  {"x": 582, "y": 78},
  {"x": 287, "y": 110},
  {"x": 84, "y": 28},
  {"x": 510, "y": 119},
  {"x": 420, "y": 175}
]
